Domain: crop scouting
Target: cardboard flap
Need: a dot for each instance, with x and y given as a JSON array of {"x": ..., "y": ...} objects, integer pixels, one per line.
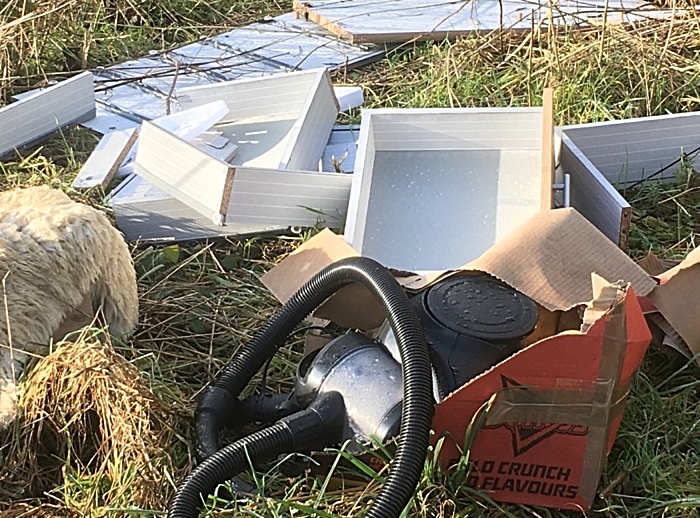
[
  {"x": 551, "y": 258},
  {"x": 655, "y": 266},
  {"x": 352, "y": 306},
  {"x": 306, "y": 261},
  {"x": 681, "y": 285}
]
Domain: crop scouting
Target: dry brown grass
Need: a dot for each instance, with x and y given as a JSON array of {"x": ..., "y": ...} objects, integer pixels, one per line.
[
  {"x": 91, "y": 426},
  {"x": 45, "y": 39},
  {"x": 106, "y": 428}
]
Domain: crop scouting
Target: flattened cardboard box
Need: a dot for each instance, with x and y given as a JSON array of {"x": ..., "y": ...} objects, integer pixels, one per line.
[{"x": 553, "y": 409}]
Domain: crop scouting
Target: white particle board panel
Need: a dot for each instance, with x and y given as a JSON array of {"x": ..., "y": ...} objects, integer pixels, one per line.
[
  {"x": 104, "y": 162},
  {"x": 349, "y": 97},
  {"x": 261, "y": 141},
  {"x": 255, "y": 97},
  {"x": 294, "y": 43},
  {"x": 241, "y": 194},
  {"x": 186, "y": 172},
  {"x": 398, "y": 21},
  {"x": 291, "y": 198},
  {"x": 144, "y": 212},
  {"x": 281, "y": 121},
  {"x": 313, "y": 127},
  {"x": 140, "y": 89},
  {"x": 36, "y": 116},
  {"x": 593, "y": 196},
  {"x": 189, "y": 124},
  {"x": 629, "y": 151},
  {"x": 435, "y": 188}
]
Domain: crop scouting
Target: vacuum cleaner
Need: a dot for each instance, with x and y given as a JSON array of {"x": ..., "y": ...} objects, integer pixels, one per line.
[{"x": 356, "y": 388}]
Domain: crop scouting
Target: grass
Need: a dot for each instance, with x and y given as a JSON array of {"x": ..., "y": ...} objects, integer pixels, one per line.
[{"x": 199, "y": 303}]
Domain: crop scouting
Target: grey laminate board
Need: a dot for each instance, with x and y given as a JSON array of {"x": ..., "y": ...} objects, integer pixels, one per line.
[
  {"x": 144, "y": 212},
  {"x": 292, "y": 198},
  {"x": 397, "y": 21},
  {"x": 34, "y": 117},
  {"x": 268, "y": 96},
  {"x": 281, "y": 121},
  {"x": 313, "y": 127},
  {"x": 139, "y": 89},
  {"x": 429, "y": 176},
  {"x": 593, "y": 196},
  {"x": 628, "y": 151},
  {"x": 184, "y": 171},
  {"x": 102, "y": 165}
]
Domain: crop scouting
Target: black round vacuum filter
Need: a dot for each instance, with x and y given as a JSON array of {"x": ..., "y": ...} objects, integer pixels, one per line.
[
  {"x": 482, "y": 307},
  {"x": 472, "y": 322}
]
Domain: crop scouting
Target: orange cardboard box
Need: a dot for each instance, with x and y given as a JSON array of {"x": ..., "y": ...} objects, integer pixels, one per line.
[{"x": 540, "y": 424}]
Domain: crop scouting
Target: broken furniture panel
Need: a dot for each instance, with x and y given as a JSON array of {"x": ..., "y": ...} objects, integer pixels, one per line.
[
  {"x": 186, "y": 172},
  {"x": 189, "y": 124},
  {"x": 104, "y": 162},
  {"x": 593, "y": 195},
  {"x": 36, "y": 116},
  {"x": 281, "y": 121},
  {"x": 293, "y": 198},
  {"x": 604, "y": 158},
  {"x": 400, "y": 21},
  {"x": 628, "y": 151},
  {"x": 349, "y": 97},
  {"x": 226, "y": 194},
  {"x": 137, "y": 90},
  {"x": 460, "y": 179},
  {"x": 145, "y": 213}
]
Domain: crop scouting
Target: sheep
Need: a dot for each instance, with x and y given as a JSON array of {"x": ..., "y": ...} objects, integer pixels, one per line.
[{"x": 60, "y": 263}]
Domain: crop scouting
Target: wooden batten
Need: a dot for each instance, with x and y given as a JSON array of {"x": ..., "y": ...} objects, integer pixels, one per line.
[{"x": 547, "y": 149}]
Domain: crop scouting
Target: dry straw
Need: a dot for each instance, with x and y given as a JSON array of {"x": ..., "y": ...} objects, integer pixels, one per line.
[{"x": 91, "y": 427}]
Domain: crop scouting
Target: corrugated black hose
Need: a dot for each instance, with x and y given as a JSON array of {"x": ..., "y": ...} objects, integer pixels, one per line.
[
  {"x": 319, "y": 425},
  {"x": 217, "y": 408}
]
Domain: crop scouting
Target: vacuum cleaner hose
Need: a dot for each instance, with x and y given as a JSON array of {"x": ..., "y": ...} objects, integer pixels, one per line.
[
  {"x": 322, "y": 419},
  {"x": 217, "y": 407}
]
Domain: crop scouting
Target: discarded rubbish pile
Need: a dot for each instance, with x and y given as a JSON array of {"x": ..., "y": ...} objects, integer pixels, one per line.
[{"x": 515, "y": 338}]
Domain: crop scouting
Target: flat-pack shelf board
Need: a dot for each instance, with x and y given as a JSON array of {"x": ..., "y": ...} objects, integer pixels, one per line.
[
  {"x": 398, "y": 21},
  {"x": 144, "y": 89},
  {"x": 241, "y": 194},
  {"x": 624, "y": 153},
  {"x": 628, "y": 151},
  {"x": 36, "y": 116},
  {"x": 102, "y": 165},
  {"x": 145, "y": 213},
  {"x": 458, "y": 179},
  {"x": 281, "y": 121},
  {"x": 197, "y": 179},
  {"x": 593, "y": 195}
]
